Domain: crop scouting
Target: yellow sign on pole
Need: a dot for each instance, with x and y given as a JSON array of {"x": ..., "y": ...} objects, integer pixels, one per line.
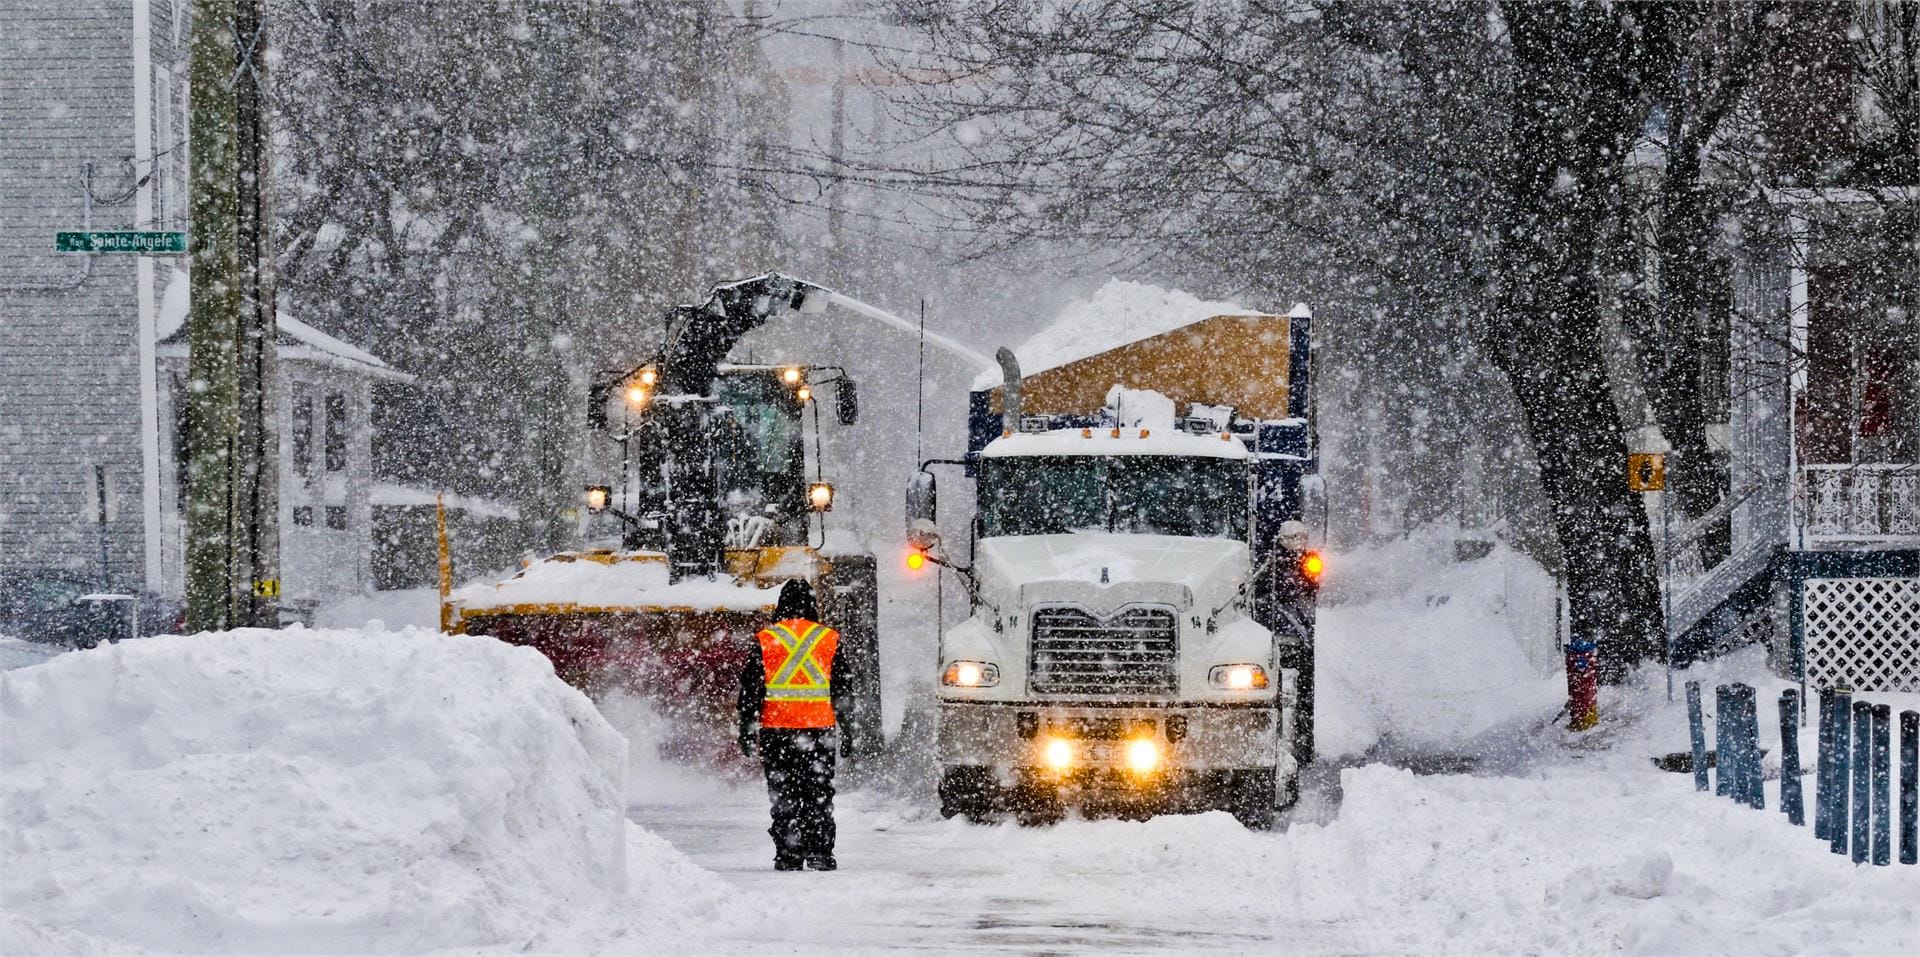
[{"x": 1647, "y": 472}]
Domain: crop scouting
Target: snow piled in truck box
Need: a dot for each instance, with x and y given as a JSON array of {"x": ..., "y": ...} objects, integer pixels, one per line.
[
  {"x": 324, "y": 791},
  {"x": 1120, "y": 312}
]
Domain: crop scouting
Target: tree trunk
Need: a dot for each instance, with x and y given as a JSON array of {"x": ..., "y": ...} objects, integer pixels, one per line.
[{"x": 1571, "y": 119}]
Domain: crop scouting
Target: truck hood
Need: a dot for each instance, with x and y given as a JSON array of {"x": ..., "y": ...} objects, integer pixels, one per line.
[{"x": 1103, "y": 571}]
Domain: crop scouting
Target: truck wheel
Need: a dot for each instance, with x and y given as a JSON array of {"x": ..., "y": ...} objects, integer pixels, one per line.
[
  {"x": 1251, "y": 798},
  {"x": 966, "y": 792}
]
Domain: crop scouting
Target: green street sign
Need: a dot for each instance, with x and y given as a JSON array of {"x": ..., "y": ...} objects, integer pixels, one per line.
[{"x": 142, "y": 242}]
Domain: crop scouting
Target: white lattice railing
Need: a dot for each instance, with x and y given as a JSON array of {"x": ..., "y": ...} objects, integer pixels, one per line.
[
  {"x": 1862, "y": 501},
  {"x": 1863, "y": 633}
]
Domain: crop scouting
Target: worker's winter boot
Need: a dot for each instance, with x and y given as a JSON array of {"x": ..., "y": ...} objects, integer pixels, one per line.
[
  {"x": 821, "y": 862},
  {"x": 786, "y": 862}
]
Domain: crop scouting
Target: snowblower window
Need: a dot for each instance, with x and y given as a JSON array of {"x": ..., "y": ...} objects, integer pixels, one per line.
[{"x": 1149, "y": 495}]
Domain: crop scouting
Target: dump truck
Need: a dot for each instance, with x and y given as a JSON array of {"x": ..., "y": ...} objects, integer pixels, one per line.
[
  {"x": 721, "y": 498},
  {"x": 1140, "y": 582}
]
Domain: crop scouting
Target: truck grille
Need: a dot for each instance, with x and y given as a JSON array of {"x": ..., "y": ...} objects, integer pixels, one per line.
[{"x": 1075, "y": 653}]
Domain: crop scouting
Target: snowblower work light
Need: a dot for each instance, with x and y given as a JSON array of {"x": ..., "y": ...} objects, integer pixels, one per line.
[
  {"x": 803, "y": 394},
  {"x": 598, "y": 497},
  {"x": 790, "y": 376},
  {"x": 648, "y": 377},
  {"x": 820, "y": 497},
  {"x": 637, "y": 396}
]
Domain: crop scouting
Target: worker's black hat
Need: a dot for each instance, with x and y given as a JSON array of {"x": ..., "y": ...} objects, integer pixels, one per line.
[{"x": 796, "y": 601}]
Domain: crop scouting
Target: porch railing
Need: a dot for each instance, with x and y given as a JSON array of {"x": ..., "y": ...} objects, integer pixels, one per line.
[{"x": 1861, "y": 502}]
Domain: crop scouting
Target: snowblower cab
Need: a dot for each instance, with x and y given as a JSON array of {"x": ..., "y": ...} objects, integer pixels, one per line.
[{"x": 718, "y": 505}]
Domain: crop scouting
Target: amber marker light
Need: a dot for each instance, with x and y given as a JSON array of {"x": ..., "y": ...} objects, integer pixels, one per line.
[
  {"x": 916, "y": 559},
  {"x": 1312, "y": 565}
]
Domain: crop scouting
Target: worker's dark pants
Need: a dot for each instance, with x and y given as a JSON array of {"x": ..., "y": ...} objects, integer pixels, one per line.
[{"x": 799, "y": 769}]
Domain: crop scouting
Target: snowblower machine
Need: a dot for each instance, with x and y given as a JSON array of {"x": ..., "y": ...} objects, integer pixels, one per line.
[{"x": 720, "y": 500}]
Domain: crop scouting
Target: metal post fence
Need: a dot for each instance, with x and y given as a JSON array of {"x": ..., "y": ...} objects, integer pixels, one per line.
[
  {"x": 1750, "y": 746},
  {"x": 1790, "y": 796},
  {"x": 1882, "y": 787},
  {"x": 1723, "y": 742},
  {"x": 1909, "y": 786},
  {"x": 1837, "y": 785},
  {"x": 1697, "y": 733},
  {"x": 1862, "y": 778},
  {"x": 1823, "y": 767}
]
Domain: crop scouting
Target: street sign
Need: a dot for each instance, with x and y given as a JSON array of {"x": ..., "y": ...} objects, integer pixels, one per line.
[
  {"x": 141, "y": 242},
  {"x": 1647, "y": 471}
]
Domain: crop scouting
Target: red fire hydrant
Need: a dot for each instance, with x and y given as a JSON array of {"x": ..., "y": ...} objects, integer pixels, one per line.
[{"x": 1583, "y": 685}]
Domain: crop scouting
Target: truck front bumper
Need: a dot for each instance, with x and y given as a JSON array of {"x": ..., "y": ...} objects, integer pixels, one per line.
[{"x": 1097, "y": 743}]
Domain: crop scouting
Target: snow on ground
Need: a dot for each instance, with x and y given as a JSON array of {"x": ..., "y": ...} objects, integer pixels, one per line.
[
  {"x": 398, "y": 608},
  {"x": 306, "y": 791},
  {"x": 19, "y": 653},
  {"x": 403, "y": 792},
  {"x": 1420, "y": 654}
]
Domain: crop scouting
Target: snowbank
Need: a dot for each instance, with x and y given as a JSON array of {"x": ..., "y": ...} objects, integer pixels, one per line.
[
  {"x": 310, "y": 791},
  {"x": 1119, "y": 313},
  {"x": 1418, "y": 653}
]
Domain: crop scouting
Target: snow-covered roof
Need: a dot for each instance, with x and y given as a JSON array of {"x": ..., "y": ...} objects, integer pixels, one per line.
[
  {"x": 297, "y": 339},
  {"x": 1119, "y": 313},
  {"x": 1104, "y": 442},
  {"x": 391, "y": 494}
]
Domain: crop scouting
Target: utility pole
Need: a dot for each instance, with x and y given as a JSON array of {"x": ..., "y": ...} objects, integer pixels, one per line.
[{"x": 233, "y": 530}]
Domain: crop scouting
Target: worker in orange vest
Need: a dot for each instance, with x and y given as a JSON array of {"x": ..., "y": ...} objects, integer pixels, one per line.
[{"x": 788, "y": 690}]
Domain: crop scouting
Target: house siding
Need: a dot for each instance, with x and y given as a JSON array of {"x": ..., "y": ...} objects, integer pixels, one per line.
[{"x": 69, "y": 329}]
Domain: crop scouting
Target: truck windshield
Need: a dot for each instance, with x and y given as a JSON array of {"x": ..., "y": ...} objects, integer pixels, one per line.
[{"x": 1151, "y": 495}]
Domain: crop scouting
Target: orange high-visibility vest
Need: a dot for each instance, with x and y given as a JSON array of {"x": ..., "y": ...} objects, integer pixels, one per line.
[{"x": 798, "y": 655}]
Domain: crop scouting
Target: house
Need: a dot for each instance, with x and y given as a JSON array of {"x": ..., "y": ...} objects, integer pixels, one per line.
[
  {"x": 92, "y": 360},
  {"x": 324, "y": 417},
  {"x": 94, "y": 139},
  {"x": 1823, "y": 443}
]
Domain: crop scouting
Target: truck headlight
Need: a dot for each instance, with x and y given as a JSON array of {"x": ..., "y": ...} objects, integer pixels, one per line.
[
  {"x": 971, "y": 674},
  {"x": 1058, "y": 754},
  {"x": 1237, "y": 677},
  {"x": 1143, "y": 755}
]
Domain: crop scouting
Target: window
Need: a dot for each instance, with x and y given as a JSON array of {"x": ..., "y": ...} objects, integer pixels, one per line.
[
  {"x": 302, "y": 432},
  {"x": 336, "y": 516},
  {"x": 1139, "y": 495},
  {"x": 336, "y": 433},
  {"x": 303, "y": 515}
]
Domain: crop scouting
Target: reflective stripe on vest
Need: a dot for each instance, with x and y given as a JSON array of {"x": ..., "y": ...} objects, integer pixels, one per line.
[{"x": 798, "y": 657}]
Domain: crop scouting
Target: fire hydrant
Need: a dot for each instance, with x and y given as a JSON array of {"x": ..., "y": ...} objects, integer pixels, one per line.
[{"x": 1583, "y": 685}]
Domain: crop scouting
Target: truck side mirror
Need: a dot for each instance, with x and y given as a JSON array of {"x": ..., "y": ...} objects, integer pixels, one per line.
[
  {"x": 846, "y": 400},
  {"x": 922, "y": 494}
]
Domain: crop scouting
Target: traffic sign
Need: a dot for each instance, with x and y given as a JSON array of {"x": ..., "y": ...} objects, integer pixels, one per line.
[
  {"x": 1647, "y": 471},
  {"x": 139, "y": 241}
]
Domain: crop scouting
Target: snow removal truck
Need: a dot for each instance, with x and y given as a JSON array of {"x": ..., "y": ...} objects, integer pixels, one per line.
[
  {"x": 1142, "y": 593},
  {"x": 720, "y": 500}
]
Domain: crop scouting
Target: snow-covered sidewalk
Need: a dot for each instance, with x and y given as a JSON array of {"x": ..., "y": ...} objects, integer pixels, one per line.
[{"x": 1584, "y": 851}]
